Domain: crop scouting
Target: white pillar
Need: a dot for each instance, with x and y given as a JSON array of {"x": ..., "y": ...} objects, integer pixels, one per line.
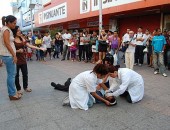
[
  {"x": 31, "y": 22},
  {"x": 100, "y": 16}
]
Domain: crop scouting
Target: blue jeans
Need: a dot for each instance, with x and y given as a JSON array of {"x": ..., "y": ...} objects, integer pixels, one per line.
[
  {"x": 90, "y": 102},
  {"x": 11, "y": 72}
]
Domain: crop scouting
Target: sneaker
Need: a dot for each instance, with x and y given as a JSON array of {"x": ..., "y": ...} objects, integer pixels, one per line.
[
  {"x": 156, "y": 72},
  {"x": 135, "y": 64},
  {"x": 165, "y": 75},
  {"x": 140, "y": 65},
  {"x": 66, "y": 101}
]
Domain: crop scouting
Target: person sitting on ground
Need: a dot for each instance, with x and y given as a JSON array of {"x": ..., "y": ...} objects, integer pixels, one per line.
[
  {"x": 131, "y": 87},
  {"x": 82, "y": 90}
]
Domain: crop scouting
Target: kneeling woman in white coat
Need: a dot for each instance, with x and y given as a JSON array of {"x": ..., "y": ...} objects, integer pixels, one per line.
[
  {"x": 131, "y": 84},
  {"x": 83, "y": 87}
]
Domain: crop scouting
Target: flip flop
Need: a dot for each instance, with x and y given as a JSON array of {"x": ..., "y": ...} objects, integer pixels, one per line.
[{"x": 28, "y": 90}]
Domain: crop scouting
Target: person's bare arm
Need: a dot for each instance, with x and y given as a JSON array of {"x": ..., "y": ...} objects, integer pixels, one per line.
[
  {"x": 94, "y": 94},
  {"x": 34, "y": 47},
  {"x": 119, "y": 43},
  {"x": 6, "y": 37}
]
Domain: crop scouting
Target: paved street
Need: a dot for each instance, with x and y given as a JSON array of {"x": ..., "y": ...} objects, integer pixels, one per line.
[{"x": 42, "y": 108}]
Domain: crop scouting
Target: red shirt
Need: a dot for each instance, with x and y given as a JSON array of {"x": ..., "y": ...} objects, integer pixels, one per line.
[{"x": 21, "y": 57}]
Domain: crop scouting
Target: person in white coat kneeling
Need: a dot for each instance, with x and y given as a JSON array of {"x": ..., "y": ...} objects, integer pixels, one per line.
[
  {"x": 82, "y": 90},
  {"x": 131, "y": 84}
]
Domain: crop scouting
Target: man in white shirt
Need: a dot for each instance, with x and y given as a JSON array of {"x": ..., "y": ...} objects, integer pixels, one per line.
[
  {"x": 126, "y": 36},
  {"x": 66, "y": 37},
  {"x": 129, "y": 54},
  {"x": 131, "y": 84},
  {"x": 139, "y": 55},
  {"x": 125, "y": 39},
  {"x": 47, "y": 43}
]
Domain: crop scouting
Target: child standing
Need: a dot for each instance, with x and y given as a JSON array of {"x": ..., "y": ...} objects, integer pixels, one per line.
[
  {"x": 29, "y": 54},
  {"x": 73, "y": 47},
  {"x": 38, "y": 43}
]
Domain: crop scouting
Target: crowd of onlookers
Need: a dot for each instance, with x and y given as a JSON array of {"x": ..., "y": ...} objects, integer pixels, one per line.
[{"x": 94, "y": 47}]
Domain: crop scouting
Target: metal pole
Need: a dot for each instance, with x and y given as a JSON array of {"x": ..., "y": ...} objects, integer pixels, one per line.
[
  {"x": 100, "y": 16},
  {"x": 31, "y": 23}
]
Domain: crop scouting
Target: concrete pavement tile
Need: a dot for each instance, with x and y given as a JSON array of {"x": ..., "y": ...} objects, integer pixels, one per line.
[
  {"x": 139, "y": 111},
  {"x": 25, "y": 101},
  {"x": 71, "y": 123},
  {"x": 127, "y": 118},
  {"x": 87, "y": 127},
  {"x": 98, "y": 111},
  {"x": 36, "y": 119},
  {"x": 162, "y": 121},
  {"x": 15, "y": 124},
  {"x": 46, "y": 126},
  {"x": 9, "y": 115},
  {"x": 145, "y": 125},
  {"x": 108, "y": 124},
  {"x": 165, "y": 98},
  {"x": 154, "y": 105},
  {"x": 30, "y": 110},
  {"x": 7, "y": 105},
  {"x": 60, "y": 112}
]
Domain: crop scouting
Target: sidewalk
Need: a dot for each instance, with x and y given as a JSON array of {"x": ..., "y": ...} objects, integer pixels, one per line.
[{"x": 42, "y": 108}]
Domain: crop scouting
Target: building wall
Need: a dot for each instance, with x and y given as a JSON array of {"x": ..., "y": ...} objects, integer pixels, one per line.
[
  {"x": 150, "y": 22},
  {"x": 74, "y": 9},
  {"x": 23, "y": 14}
]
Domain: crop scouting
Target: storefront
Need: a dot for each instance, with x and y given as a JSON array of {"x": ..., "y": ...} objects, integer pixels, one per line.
[{"x": 117, "y": 15}]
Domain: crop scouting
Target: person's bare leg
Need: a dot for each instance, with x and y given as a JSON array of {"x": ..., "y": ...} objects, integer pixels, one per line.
[{"x": 104, "y": 54}]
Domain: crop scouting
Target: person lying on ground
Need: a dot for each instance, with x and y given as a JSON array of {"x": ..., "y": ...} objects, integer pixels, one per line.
[{"x": 82, "y": 90}]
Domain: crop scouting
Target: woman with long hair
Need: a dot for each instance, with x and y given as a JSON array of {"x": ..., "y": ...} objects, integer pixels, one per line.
[
  {"x": 20, "y": 44},
  {"x": 102, "y": 48},
  {"x": 8, "y": 53}
]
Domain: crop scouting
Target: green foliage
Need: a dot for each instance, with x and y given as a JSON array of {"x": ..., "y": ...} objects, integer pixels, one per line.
[{"x": 53, "y": 32}]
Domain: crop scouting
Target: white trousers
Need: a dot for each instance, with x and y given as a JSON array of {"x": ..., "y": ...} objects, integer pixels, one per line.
[{"x": 129, "y": 60}]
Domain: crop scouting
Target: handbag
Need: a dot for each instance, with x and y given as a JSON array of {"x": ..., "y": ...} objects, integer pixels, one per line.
[
  {"x": 124, "y": 47},
  {"x": 145, "y": 50},
  {"x": 115, "y": 59}
]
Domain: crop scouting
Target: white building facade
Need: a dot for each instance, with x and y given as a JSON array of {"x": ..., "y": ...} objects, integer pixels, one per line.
[{"x": 22, "y": 11}]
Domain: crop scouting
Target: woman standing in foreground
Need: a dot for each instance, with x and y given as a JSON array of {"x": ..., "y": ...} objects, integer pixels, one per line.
[
  {"x": 8, "y": 53},
  {"x": 20, "y": 44}
]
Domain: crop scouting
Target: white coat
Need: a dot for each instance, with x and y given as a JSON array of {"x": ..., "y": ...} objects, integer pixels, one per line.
[
  {"x": 131, "y": 82},
  {"x": 80, "y": 88}
]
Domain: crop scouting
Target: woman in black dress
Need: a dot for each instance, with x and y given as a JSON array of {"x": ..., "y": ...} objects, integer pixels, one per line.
[{"x": 102, "y": 45}]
